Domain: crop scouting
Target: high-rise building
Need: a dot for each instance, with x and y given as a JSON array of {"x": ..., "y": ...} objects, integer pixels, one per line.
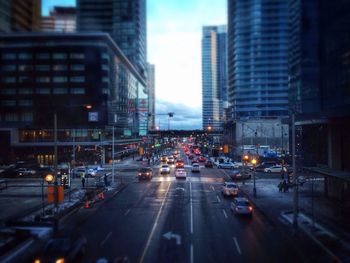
[
  {"x": 151, "y": 95},
  {"x": 214, "y": 80},
  {"x": 60, "y": 19},
  {"x": 124, "y": 20},
  {"x": 19, "y": 15}
]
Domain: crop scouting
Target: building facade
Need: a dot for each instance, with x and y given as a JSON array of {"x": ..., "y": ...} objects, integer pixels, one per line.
[
  {"x": 20, "y": 16},
  {"x": 151, "y": 96},
  {"x": 214, "y": 76},
  {"x": 84, "y": 78},
  {"x": 124, "y": 20},
  {"x": 60, "y": 19}
]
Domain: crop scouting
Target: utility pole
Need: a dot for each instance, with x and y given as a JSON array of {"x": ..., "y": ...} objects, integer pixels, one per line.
[
  {"x": 55, "y": 159},
  {"x": 295, "y": 182}
]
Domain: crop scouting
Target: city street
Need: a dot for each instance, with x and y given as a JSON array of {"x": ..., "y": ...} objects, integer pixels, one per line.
[{"x": 185, "y": 220}]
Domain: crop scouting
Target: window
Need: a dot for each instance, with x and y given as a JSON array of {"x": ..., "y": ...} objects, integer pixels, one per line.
[
  {"x": 9, "y": 68},
  {"x": 77, "y": 79},
  {"x": 105, "y": 91},
  {"x": 77, "y": 67},
  {"x": 77, "y": 55},
  {"x": 59, "y": 67},
  {"x": 25, "y": 56},
  {"x": 105, "y": 79},
  {"x": 8, "y": 91},
  {"x": 43, "y": 56},
  {"x": 105, "y": 55},
  {"x": 105, "y": 67},
  {"x": 27, "y": 116},
  {"x": 60, "y": 91},
  {"x": 59, "y": 79},
  {"x": 25, "y": 91},
  {"x": 42, "y": 91},
  {"x": 77, "y": 91},
  {"x": 59, "y": 55},
  {"x": 9, "y": 80},
  {"x": 23, "y": 79},
  {"x": 42, "y": 67},
  {"x": 43, "y": 79},
  {"x": 11, "y": 116},
  {"x": 25, "y": 67},
  {"x": 8, "y": 103},
  {"x": 9, "y": 56},
  {"x": 25, "y": 103}
]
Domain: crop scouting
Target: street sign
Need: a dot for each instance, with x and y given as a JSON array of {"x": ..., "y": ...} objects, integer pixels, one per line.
[{"x": 93, "y": 116}]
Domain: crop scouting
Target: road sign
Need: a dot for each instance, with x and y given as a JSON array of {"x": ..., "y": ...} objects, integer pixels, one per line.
[{"x": 93, "y": 116}]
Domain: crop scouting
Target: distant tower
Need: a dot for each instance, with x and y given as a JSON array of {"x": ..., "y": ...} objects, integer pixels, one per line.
[
  {"x": 61, "y": 19},
  {"x": 151, "y": 95}
]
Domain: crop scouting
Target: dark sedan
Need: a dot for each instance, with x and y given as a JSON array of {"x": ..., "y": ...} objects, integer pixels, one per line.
[{"x": 145, "y": 173}]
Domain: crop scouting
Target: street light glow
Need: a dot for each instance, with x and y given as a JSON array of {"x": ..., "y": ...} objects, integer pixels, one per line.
[{"x": 49, "y": 178}]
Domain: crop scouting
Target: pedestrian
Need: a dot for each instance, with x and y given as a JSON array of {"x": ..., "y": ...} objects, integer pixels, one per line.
[
  {"x": 285, "y": 186},
  {"x": 105, "y": 179},
  {"x": 83, "y": 181},
  {"x": 279, "y": 187}
]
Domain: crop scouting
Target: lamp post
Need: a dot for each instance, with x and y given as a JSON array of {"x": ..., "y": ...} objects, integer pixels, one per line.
[
  {"x": 55, "y": 160},
  {"x": 295, "y": 192},
  {"x": 254, "y": 161}
]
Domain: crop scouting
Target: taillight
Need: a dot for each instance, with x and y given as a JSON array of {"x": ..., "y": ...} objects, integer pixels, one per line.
[
  {"x": 250, "y": 208},
  {"x": 139, "y": 174},
  {"x": 147, "y": 173}
]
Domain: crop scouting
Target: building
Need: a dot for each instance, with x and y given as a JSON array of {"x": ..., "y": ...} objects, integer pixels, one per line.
[
  {"x": 214, "y": 76},
  {"x": 84, "y": 78},
  {"x": 258, "y": 35},
  {"x": 19, "y": 15},
  {"x": 60, "y": 19},
  {"x": 151, "y": 96},
  {"x": 124, "y": 20}
]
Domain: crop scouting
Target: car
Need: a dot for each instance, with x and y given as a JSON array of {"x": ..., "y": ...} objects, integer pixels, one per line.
[
  {"x": 201, "y": 159},
  {"x": 24, "y": 172},
  {"x": 226, "y": 165},
  {"x": 229, "y": 188},
  {"x": 164, "y": 158},
  {"x": 79, "y": 171},
  {"x": 208, "y": 164},
  {"x": 179, "y": 164},
  {"x": 241, "y": 206},
  {"x": 195, "y": 167},
  {"x": 273, "y": 169},
  {"x": 237, "y": 175},
  {"x": 180, "y": 173},
  {"x": 237, "y": 165},
  {"x": 171, "y": 160},
  {"x": 145, "y": 173},
  {"x": 261, "y": 167},
  {"x": 63, "y": 249},
  {"x": 191, "y": 156},
  {"x": 165, "y": 169}
]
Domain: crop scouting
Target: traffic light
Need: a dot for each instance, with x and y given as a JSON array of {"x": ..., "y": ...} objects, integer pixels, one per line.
[{"x": 171, "y": 114}]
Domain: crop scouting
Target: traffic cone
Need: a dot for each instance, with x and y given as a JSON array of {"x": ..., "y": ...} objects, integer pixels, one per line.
[{"x": 86, "y": 204}]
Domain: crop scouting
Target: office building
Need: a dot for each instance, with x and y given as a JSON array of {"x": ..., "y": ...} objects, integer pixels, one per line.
[
  {"x": 60, "y": 19},
  {"x": 84, "y": 78},
  {"x": 124, "y": 20},
  {"x": 214, "y": 77},
  {"x": 151, "y": 95}
]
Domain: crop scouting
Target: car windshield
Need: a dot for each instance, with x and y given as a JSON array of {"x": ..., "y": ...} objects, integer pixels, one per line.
[
  {"x": 231, "y": 186},
  {"x": 243, "y": 203}
]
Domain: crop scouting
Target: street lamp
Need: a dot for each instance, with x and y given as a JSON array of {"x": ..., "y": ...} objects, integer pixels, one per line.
[{"x": 254, "y": 161}]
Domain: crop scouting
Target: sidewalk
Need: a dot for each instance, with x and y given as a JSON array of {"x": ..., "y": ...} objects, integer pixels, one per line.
[{"x": 319, "y": 217}]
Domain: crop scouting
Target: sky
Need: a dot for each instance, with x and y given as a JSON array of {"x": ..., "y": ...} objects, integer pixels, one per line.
[{"x": 174, "y": 29}]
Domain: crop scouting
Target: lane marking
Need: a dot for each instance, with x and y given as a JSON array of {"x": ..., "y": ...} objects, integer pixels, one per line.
[
  {"x": 218, "y": 198},
  {"x": 237, "y": 246},
  {"x": 154, "y": 226},
  {"x": 191, "y": 254},
  {"x": 212, "y": 188},
  {"x": 127, "y": 212},
  {"x": 223, "y": 210},
  {"x": 226, "y": 174},
  {"x": 105, "y": 240},
  {"x": 191, "y": 209}
]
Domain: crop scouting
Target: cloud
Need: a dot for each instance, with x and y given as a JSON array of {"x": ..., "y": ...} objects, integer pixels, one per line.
[{"x": 185, "y": 117}]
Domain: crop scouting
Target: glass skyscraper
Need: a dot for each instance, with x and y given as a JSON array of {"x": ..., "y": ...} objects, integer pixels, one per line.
[
  {"x": 258, "y": 58},
  {"x": 214, "y": 79}
]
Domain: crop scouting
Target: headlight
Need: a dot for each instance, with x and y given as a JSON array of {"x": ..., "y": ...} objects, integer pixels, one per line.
[{"x": 60, "y": 260}]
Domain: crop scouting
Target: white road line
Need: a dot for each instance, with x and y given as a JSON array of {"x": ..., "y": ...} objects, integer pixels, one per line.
[
  {"x": 218, "y": 198},
  {"x": 154, "y": 227},
  {"x": 237, "y": 246},
  {"x": 223, "y": 210},
  {"x": 191, "y": 209},
  {"x": 105, "y": 240},
  {"x": 127, "y": 212},
  {"x": 228, "y": 177},
  {"x": 212, "y": 188},
  {"x": 191, "y": 254}
]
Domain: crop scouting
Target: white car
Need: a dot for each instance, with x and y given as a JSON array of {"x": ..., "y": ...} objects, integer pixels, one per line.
[
  {"x": 227, "y": 165},
  {"x": 171, "y": 160},
  {"x": 195, "y": 167},
  {"x": 164, "y": 169},
  {"x": 180, "y": 173},
  {"x": 230, "y": 188},
  {"x": 241, "y": 206},
  {"x": 273, "y": 169},
  {"x": 237, "y": 165}
]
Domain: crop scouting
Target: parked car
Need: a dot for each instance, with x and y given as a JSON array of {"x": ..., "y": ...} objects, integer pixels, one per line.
[
  {"x": 201, "y": 159},
  {"x": 180, "y": 173},
  {"x": 261, "y": 167},
  {"x": 238, "y": 175},
  {"x": 241, "y": 206},
  {"x": 165, "y": 169},
  {"x": 227, "y": 165},
  {"x": 195, "y": 167},
  {"x": 145, "y": 173},
  {"x": 229, "y": 188},
  {"x": 273, "y": 169},
  {"x": 208, "y": 164},
  {"x": 63, "y": 249},
  {"x": 79, "y": 171}
]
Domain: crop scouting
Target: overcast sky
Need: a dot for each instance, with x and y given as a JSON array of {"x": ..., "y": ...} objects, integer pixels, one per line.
[{"x": 174, "y": 30}]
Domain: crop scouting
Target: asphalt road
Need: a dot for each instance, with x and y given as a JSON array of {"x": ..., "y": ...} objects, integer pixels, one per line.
[{"x": 186, "y": 220}]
